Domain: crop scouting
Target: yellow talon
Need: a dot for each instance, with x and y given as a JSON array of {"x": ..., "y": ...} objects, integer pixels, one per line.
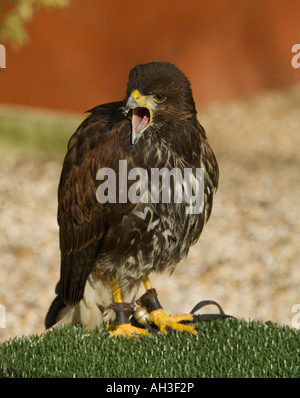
[
  {"x": 162, "y": 321},
  {"x": 127, "y": 330},
  {"x": 123, "y": 311}
]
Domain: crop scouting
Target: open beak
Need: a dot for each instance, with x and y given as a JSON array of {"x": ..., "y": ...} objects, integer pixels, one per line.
[{"x": 141, "y": 113}]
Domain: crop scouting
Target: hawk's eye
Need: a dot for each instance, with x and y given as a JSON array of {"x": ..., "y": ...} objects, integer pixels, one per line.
[{"x": 160, "y": 98}]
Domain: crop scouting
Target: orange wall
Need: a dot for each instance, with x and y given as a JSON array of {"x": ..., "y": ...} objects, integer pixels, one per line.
[{"x": 80, "y": 56}]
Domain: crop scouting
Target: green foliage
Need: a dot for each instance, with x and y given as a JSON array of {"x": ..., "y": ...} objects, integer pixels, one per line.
[
  {"x": 36, "y": 133},
  {"x": 13, "y": 22},
  {"x": 229, "y": 348}
]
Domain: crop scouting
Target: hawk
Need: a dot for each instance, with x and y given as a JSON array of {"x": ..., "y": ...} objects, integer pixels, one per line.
[{"x": 110, "y": 246}]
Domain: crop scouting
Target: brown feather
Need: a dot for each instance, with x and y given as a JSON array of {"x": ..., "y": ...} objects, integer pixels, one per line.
[{"x": 127, "y": 241}]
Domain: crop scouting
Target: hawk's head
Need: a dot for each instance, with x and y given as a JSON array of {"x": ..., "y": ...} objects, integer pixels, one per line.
[{"x": 158, "y": 94}]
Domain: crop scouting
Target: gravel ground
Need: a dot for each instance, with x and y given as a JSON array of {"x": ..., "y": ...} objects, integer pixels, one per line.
[{"x": 248, "y": 258}]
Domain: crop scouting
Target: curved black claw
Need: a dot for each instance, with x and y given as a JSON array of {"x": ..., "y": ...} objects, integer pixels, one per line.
[
  {"x": 200, "y": 331},
  {"x": 169, "y": 330}
]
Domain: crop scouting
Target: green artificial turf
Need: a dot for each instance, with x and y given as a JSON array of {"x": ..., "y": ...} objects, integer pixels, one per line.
[{"x": 229, "y": 348}]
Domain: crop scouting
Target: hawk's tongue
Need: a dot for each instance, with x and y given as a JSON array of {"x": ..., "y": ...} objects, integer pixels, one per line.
[
  {"x": 140, "y": 120},
  {"x": 140, "y": 123}
]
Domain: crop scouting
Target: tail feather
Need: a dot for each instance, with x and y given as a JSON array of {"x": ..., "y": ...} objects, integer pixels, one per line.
[{"x": 55, "y": 312}]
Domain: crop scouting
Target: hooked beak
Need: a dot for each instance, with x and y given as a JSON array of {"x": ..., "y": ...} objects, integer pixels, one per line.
[
  {"x": 130, "y": 104},
  {"x": 141, "y": 113}
]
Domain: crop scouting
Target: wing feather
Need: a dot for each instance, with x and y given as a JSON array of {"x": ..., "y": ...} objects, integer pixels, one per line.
[{"x": 81, "y": 217}]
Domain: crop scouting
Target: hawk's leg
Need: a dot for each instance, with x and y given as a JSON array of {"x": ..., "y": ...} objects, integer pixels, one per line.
[
  {"x": 122, "y": 325},
  {"x": 164, "y": 322}
]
